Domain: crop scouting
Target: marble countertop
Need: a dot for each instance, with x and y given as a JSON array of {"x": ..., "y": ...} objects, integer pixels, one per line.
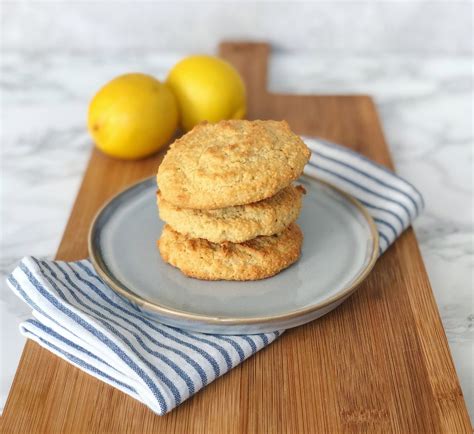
[{"x": 426, "y": 108}]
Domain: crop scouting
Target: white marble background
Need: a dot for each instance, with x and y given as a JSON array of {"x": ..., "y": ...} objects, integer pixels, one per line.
[{"x": 415, "y": 58}]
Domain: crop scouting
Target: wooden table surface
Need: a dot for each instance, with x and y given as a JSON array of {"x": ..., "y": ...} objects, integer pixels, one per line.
[{"x": 378, "y": 363}]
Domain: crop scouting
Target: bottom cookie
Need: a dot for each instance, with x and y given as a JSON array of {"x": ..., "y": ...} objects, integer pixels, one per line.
[{"x": 252, "y": 260}]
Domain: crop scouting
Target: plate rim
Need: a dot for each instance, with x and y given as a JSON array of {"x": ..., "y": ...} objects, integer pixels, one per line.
[{"x": 177, "y": 314}]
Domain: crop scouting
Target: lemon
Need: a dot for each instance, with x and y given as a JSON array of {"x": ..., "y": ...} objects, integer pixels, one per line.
[
  {"x": 207, "y": 89},
  {"x": 132, "y": 116}
]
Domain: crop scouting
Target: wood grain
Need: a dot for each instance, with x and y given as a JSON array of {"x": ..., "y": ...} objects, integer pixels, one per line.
[{"x": 378, "y": 363}]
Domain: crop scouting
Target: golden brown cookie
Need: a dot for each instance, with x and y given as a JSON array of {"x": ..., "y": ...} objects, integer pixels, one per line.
[
  {"x": 230, "y": 163},
  {"x": 236, "y": 223},
  {"x": 255, "y": 259}
]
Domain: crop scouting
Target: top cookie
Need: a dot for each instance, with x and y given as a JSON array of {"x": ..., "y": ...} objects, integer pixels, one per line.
[{"x": 230, "y": 163}]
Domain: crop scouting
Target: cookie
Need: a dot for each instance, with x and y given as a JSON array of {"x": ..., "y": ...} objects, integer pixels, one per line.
[
  {"x": 237, "y": 223},
  {"x": 231, "y": 163},
  {"x": 252, "y": 260}
]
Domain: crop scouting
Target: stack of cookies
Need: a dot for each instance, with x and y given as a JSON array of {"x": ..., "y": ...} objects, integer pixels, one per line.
[{"x": 226, "y": 195}]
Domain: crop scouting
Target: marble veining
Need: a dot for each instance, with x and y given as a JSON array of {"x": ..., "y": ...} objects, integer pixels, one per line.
[{"x": 425, "y": 104}]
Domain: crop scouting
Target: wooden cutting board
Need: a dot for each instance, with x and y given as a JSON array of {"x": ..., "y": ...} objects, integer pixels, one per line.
[{"x": 378, "y": 363}]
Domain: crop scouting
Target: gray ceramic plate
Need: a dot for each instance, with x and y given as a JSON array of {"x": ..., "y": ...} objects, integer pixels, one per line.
[{"x": 340, "y": 248}]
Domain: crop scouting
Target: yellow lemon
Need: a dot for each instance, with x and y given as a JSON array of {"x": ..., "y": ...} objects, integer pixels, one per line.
[
  {"x": 207, "y": 89},
  {"x": 132, "y": 116}
]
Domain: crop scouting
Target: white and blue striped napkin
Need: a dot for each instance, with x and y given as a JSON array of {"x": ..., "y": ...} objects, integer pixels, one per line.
[
  {"x": 392, "y": 202},
  {"x": 77, "y": 317}
]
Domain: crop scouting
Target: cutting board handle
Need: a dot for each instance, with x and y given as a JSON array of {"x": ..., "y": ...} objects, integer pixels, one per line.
[{"x": 251, "y": 60}]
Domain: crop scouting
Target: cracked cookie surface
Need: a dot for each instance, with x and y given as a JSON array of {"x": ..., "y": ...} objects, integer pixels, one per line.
[
  {"x": 255, "y": 259},
  {"x": 229, "y": 163},
  {"x": 238, "y": 223}
]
